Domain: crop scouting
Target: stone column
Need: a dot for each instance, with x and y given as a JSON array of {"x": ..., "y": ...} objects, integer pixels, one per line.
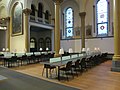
[
  {"x": 57, "y": 26},
  {"x": 82, "y": 16},
  {"x": 116, "y": 57},
  {"x": 27, "y": 13},
  {"x": 8, "y": 32}
]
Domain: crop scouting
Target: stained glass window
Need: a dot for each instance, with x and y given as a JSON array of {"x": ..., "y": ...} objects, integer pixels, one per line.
[
  {"x": 102, "y": 17},
  {"x": 69, "y": 22}
]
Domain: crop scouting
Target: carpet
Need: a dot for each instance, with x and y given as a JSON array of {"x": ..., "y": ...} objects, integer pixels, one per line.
[{"x": 19, "y": 81}]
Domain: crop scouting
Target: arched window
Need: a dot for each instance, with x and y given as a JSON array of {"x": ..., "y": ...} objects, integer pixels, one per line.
[
  {"x": 40, "y": 10},
  {"x": 41, "y": 44},
  {"x": 33, "y": 45},
  {"x": 102, "y": 18},
  {"x": 69, "y": 22},
  {"x": 33, "y": 10},
  {"x": 47, "y": 15},
  {"x": 48, "y": 43}
]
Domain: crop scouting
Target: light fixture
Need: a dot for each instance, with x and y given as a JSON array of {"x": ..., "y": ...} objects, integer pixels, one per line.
[
  {"x": 83, "y": 50},
  {"x": 7, "y": 49},
  {"x": 3, "y": 27},
  {"x": 88, "y": 51},
  {"x": 70, "y": 51},
  {"x": 47, "y": 49},
  {"x": 61, "y": 51},
  {"x": 98, "y": 49},
  {"x": 3, "y": 49},
  {"x": 40, "y": 50},
  {"x": 95, "y": 49}
]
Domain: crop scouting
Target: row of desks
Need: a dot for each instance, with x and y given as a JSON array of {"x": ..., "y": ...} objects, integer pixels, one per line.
[{"x": 58, "y": 62}]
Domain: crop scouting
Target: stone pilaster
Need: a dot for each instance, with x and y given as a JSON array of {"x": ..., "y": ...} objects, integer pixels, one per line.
[
  {"x": 27, "y": 13},
  {"x": 82, "y": 16},
  {"x": 8, "y": 32},
  {"x": 116, "y": 57}
]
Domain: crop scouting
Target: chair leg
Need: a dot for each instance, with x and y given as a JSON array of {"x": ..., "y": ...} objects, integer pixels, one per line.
[
  {"x": 43, "y": 71},
  {"x": 50, "y": 73}
]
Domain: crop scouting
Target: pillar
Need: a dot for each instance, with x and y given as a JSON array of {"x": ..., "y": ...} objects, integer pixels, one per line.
[
  {"x": 82, "y": 16},
  {"x": 116, "y": 20},
  {"x": 27, "y": 13},
  {"x": 57, "y": 26},
  {"x": 8, "y": 32}
]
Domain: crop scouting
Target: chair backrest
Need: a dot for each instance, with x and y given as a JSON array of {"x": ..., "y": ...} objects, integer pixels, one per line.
[
  {"x": 83, "y": 61},
  {"x": 77, "y": 63},
  {"x": 24, "y": 57},
  {"x": 14, "y": 58},
  {"x": 69, "y": 65}
]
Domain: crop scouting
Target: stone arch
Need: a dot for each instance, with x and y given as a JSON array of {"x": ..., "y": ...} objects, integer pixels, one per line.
[{"x": 11, "y": 5}]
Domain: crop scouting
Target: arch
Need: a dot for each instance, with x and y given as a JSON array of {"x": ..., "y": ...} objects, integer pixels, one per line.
[
  {"x": 17, "y": 18},
  {"x": 11, "y": 5},
  {"x": 48, "y": 43},
  {"x": 40, "y": 10},
  {"x": 33, "y": 44},
  {"x": 47, "y": 15},
  {"x": 33, "y": 10},
  {"x": 41, "y": 43}
]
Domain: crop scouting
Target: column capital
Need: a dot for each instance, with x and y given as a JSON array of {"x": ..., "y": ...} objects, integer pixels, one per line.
[
  {"x": 82, "y": 14},
  {"x": 7, "y": 18},
  {"x": 4, "y": 20},
  {"x": 57, "y": 1},
  {"x": 27, "y": 11}
]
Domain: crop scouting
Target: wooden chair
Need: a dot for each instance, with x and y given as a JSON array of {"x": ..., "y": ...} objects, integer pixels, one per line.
[{"x": 67, "y": 68}]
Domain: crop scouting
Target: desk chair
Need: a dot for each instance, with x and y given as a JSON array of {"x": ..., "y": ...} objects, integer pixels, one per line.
[{"x": 49, "y": 67}]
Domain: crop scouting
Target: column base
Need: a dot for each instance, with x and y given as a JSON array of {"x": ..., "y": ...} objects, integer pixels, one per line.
[
  {"x": 115, "y": 66},
  {"x": 56, "y": 55}
]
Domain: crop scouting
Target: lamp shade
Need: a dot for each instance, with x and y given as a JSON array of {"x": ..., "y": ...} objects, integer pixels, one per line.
[
  {"x": 47, "y": 49},
  {"x": 83, "y": 50},
  {"x": 95, "y": 49},
  {"x": 3, "y": 49},
  {"x": 98, "y": 49},
  {"x": 88, "y": 49},
  {"x": 70, "y": 50},
  {"x": 7, "y": 49},
  {"x": 40, "y": 49},
  {"x": 61, "y": 51}
]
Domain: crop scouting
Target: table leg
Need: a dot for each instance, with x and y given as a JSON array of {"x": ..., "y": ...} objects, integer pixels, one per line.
[
  {"x": 59, "y": 73},
  {"x": 47, "y": 72}
]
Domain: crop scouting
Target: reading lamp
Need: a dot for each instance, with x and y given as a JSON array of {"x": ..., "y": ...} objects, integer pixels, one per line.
[
  {"x": 83, "y": 50},
  {"x": 61, "y": 51},
  {"x": 47, "y": 49},
  {"x": 70, "y": 52},
  {"x": 7, "y": 49},
  {"x": 40, "y": 50},
  {"x": 3, "y": 49}
]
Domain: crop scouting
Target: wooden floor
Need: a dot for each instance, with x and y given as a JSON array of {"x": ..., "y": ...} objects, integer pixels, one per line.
[{"x": 97, "y": 78}]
